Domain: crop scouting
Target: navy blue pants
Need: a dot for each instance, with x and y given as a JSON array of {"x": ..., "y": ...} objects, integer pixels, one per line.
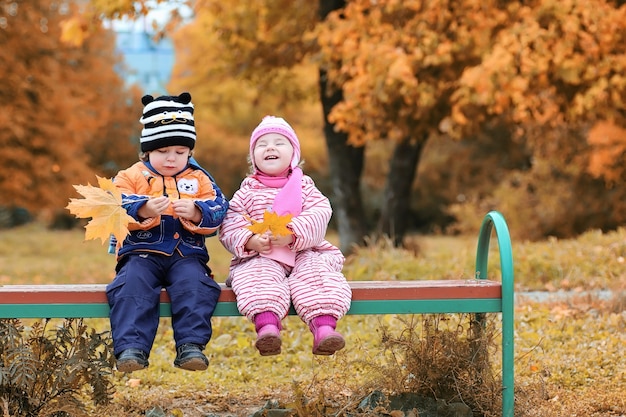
[{"x": 134, "y": 300}]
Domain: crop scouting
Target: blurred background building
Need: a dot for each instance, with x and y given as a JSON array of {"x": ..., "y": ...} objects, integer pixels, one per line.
[{"x": 148, "y": 63}]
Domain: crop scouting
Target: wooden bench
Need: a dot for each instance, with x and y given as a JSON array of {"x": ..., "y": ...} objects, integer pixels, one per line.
[{"x": 475, "y": 295}]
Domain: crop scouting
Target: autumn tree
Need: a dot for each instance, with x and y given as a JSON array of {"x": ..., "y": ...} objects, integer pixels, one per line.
[
  {"x": 62, "y": 105},
  {"x": 397, "y": 64},
  {"x": 543, "y": 69},
  {"x": 346, "y": 160}
]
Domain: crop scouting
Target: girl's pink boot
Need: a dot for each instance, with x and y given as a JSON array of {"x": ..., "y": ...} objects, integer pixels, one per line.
[
  {"x": 326, "y": 340},
  {"x": 267, "y": 326}
]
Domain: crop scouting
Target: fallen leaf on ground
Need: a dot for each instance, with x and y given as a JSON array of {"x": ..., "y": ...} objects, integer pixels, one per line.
[{"x": 133, "y": 382}]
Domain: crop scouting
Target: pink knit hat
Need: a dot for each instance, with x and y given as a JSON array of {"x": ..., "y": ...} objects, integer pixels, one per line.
[{"x": 273, "y": 124}]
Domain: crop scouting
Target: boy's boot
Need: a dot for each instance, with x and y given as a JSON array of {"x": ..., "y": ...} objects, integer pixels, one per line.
[
  {"x": 189, "y": 356},
  {"x": 132, "y": 360},
  {"x": 326, "y": 340},
  {"x": 267, "y": 326}
]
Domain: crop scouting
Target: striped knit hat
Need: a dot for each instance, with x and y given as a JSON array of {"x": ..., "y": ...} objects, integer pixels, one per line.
[{"x": 168, "y": 121}]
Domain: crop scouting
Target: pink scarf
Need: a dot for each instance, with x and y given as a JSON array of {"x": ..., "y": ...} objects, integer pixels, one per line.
[
  {"x": 289, "y": 198},
  {"x": 287, "y": 201}
]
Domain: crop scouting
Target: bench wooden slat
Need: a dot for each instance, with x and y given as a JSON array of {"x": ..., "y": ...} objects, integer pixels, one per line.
[{"x": 361, "y": 290}]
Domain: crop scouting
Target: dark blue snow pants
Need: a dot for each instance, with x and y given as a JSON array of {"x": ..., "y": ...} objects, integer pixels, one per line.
[{"x": 134, "y": 300}]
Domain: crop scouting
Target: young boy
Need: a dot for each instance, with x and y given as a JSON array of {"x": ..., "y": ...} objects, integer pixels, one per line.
[{"x": 177, "y": 205}]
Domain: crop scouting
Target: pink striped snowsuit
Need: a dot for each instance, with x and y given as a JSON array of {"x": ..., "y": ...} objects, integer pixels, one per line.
[{"x": 315, "y": 285}]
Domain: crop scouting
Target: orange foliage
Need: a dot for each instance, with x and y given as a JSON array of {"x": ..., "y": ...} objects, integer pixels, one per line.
[
  {"x": 55, "y": 100},
  {"x": 608, "y": 147},
  {"x": 84, "y": 22},
  {"x": 241, "y": 59},
  {"x": 397, "y": 62},
  {"x": 409, "y": 68},
  {"x": 555, "y": 62},
  {"x": 73, "y": 31}
]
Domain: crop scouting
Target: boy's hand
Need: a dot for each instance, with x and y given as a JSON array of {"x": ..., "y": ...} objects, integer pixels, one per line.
[
  {"x": 154, "y": 207},
  {"x": 187, "y": 209}
]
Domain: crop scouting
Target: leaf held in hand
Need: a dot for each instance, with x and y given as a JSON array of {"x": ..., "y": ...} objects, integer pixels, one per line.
[
  {"x": 104, "y": 206},
  {"x": 273, "y": 223}
]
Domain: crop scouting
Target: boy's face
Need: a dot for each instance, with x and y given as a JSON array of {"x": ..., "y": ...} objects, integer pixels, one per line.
[
  {"x": 272, "y": 154},
  {"x": 169, "y": 160}
]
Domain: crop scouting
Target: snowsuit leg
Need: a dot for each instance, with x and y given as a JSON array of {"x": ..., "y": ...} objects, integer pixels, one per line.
[
  {"x": 260, "y": 285},
  {"x": 318, "y": 287},
  {"x": 134, "y": 301},
  {"x": 193, "y": 295}
]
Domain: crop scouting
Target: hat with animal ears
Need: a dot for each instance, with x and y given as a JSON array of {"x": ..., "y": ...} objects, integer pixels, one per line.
[{"x": 168, "y": 121}]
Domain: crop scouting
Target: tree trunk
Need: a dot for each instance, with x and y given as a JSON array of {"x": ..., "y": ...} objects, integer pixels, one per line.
[
  {"x": 345, "y": 167},
  {"x": 394, "y": 218},
  {"x": 346, "y": 162},
  {"x": 327, "y": 6}
]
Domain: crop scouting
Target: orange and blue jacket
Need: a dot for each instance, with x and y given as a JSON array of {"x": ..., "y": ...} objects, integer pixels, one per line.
[{"x": 167, "y": 233}]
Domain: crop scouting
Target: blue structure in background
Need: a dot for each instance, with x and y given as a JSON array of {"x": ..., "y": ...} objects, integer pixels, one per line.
[{"x": 148, "y": 62}]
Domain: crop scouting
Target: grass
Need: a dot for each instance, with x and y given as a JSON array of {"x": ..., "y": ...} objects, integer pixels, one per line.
[{"x": 569, "y": 359}]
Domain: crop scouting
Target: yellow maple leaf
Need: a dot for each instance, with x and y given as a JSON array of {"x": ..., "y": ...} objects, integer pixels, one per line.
[
  {"x": 273, "y": 223},
  {"x": 104, "y": 206}
]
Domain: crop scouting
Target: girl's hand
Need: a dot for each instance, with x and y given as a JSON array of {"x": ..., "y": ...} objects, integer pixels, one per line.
[
  {"x": 154, "y": 207},
  {"x": 280, "y": 241},
  {"x": 259, "y": 243},
  {"x": 187, "y": 209}
]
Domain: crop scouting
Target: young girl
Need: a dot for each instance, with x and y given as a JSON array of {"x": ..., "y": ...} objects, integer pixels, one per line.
[
  {"x": 269, "y": 272},
  {"x": 177, "y": 205}
]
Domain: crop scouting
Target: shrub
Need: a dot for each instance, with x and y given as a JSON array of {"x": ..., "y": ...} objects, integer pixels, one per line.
[
  {"x": 46, "y": 372},
  {"x": 447, "y": 357}
]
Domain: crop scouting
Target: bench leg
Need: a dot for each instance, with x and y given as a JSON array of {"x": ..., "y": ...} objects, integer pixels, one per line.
[{"x": 508, "y": 394}]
